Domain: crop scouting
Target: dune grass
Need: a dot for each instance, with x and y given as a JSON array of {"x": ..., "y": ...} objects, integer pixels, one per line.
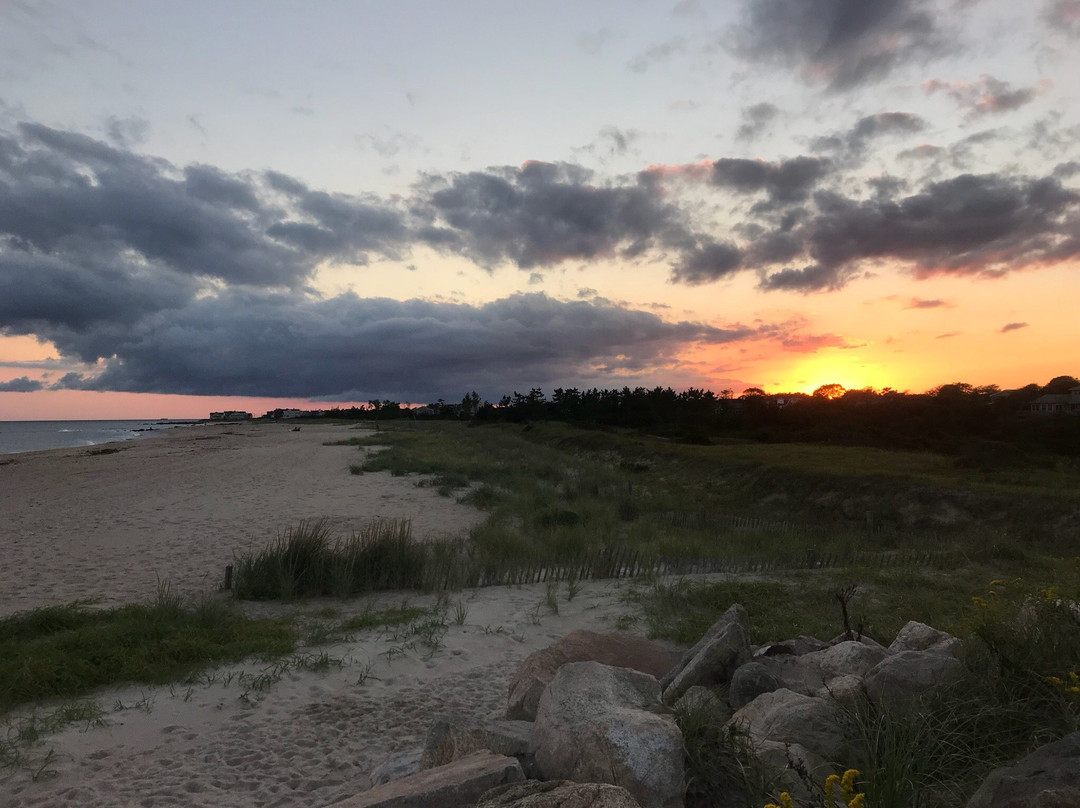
[
  {"x": 67, "y": 651},
  {"x": 309, "y": 561}
]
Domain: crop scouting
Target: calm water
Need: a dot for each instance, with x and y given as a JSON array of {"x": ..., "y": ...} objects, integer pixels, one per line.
[{"x": 33, "y": 436}]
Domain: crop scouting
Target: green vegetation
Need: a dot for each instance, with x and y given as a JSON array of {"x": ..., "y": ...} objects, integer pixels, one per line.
[{"x": 67, "y": 651}]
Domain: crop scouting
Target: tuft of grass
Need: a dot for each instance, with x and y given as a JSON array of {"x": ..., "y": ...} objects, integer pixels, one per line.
[{"x": 306, "y": 561}]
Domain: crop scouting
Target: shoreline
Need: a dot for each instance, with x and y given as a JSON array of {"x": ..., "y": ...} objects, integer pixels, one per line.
[{"x": 106, "y": 523}]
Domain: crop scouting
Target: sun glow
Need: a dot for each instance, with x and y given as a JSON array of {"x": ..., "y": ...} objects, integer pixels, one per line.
[{"x": 831, "y": 367}]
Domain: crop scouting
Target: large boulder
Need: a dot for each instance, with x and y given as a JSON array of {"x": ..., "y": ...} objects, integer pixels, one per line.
[
  {"x": 617, "y": 650},
  {"x": 1047, "y": 778},
  {"x": 917, "y": 636},
  {"x": 557, "y": 794},
  {"x": 715, "y": 657},
  {"x": 787, "y": 717},
  {"x": 749, "y": 681},
  {"x": 451, "y": 737},
  {"x": 844, "y": 658},
  {"x": 599, "y": 724},
  {"x": 457, "y": 785},
  {"x": 900, "y": 680}
]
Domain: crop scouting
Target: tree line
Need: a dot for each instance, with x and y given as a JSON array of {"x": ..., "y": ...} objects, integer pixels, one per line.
[{"x": 981, "y": 425}]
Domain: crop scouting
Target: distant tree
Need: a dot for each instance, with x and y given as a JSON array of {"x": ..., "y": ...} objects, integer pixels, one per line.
[{"x": 829, "y": 391}]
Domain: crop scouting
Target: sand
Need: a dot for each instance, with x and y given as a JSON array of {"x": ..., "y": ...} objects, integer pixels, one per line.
[
  {"x": 81, "y": 525},
  {"x": 104, "y": 527}
]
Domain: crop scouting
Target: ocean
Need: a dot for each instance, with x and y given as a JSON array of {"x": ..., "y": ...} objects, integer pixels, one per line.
[{"x": 33, "y": 436}]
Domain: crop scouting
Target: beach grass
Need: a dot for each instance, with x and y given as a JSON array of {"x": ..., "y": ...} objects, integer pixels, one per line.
[{"x": 67, "y": 651}]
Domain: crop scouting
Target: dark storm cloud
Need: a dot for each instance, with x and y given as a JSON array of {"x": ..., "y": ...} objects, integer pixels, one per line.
[
  {"x": 543, "y": 214},
  {"x": 23, "y": 384},
  {"x": 347, "y": 347},
  {"x": 756, "y": 119},
  {"x": 69, "y": 197},
  {"x": 1005, "y": 329},
  {"x": 656, "y": 54},
  {"x": 707, "y": 263},
  {"x": 839, "y": 43},
  {"x": 971, "y": 225},
  {"x": 920, "y": 303}
]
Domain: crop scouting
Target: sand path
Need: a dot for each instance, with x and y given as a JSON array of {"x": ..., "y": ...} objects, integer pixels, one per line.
[{"x": 106, "y": 527}]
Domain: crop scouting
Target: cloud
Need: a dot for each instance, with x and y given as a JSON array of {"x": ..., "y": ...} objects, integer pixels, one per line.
[
  {"x": 948, "y": 335},
  {"x": 1063, "y": 16},
  {"x": 973, "y": 225},
  {"x": 840, "y": 43},
  {"x": 127, "y": 132},
  {"x": 1005, "y": 329},
  {"x": 854, "y": 142},
  {"x": 610, "y": 142},
  {"x": 708, "y": 262},
  {"x": 346, "y": 347},
  {"x": 756, "y": 119},
  {"x": 543, "y": 214},
  {"x": 661, "y": 52},
  {"x": 783, "y": 181},
  {"x": 811, "y": 343},
  {"x": 986, "y": 96},
  {"x": 23, "y": 384},
  {"x": 919, "y": 303}
]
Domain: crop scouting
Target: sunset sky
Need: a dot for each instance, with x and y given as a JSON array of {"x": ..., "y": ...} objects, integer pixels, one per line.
[{"x": 243, "y": 205}]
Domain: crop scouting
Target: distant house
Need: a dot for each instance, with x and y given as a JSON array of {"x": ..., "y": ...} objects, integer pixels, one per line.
[
  {"x": 1057, "y": 403},
  {"x": 231, "y": 415}
]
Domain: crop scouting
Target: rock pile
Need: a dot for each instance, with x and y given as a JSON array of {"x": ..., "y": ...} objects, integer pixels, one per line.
[{"x": 589, "y": 722}]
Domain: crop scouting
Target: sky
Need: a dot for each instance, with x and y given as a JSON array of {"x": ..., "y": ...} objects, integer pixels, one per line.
[{"x": 247, "y": 205}]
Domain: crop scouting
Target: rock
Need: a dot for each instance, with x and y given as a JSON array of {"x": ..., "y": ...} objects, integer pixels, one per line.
[
  {"x": 785, "y": 763},
  {"x": 793, "y": 673},
  {"x": 557, "y": 794},
  {"x": 599, "y": 724},
  {"x": 725, "y": 646},
  {"x": 617, "y": 650},
  {"x": 847, "y": 691},
  {"x": 921, "y": 637},
  {"x": 803, "y": 644},
  {"x": 749, "y": 681},
  {"x": 847, "y": 657},
  {"x": 734, "y": 613},
  {"x": 395, "y": 767},
  {"x": 793, "y": 718},
  {"x": 901, "y": 679},
  {"x": 1047, "y": 778},
  {"x": 455, "y": 736},
  {"x": 701, "y": 698},
  {"x": 457, "y": 785}
]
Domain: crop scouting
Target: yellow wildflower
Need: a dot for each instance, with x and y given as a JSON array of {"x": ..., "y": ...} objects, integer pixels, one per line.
[
  {"x": 1074, "y": 676},
  {"x": 847, "y": 783},
  {"x": 858, "y": 801},
  {"x": 786, "y": 801},
  {"x": 771, "y": 805},
  {"x": 831, "y": 782},
  {"x": 1053, "y": 680},
  {"x": 1073, "y": 689},
  {"x": 1050, "y": 594},
  {"x": 997, "y": 582}
]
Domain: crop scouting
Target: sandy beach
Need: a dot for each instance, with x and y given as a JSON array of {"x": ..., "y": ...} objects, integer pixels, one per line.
[
  {"x": 81, "y": 524},
  {"x": 105, "y": 527}
]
